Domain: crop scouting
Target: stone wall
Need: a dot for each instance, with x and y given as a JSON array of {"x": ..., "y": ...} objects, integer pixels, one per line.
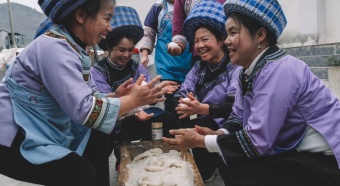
[{"x": 316, "y": 57}]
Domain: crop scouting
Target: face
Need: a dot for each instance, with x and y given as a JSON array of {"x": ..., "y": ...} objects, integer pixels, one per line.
[
  {"x": 121, "y": 53},
  {"x": 97, "y": 28},
  {"x": 242, "y": 47},
  {"x": 208, "y": 47}
]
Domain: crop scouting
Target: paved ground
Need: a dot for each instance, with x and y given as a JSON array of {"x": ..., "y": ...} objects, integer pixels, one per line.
[{"x": 6, "y": 181}]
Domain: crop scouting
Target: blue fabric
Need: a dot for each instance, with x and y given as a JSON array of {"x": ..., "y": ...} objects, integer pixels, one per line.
[
  {"x": 267, "y": 12},
  {"x": 44, "y": 27},
  {"x": 170, "y": 67},
  {"x": 155, "y": 110},
  {"x": 38, "y": 112},
  {"x": 126, "y": 19},
  {"x": 204, "y": 13}
]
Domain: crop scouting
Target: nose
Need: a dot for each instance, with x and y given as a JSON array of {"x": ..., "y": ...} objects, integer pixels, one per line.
[
  {"x": 227, "y": 41},
  {"x": 109, "y": 28}
]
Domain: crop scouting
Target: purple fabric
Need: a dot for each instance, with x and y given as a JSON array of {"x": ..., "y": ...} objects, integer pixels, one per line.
[
  {"x": 286, "y": 98},
  {"x": 104, "y": 87},
  {"x": 218, "y": 94},
  {"x": 54, "y": 64}
]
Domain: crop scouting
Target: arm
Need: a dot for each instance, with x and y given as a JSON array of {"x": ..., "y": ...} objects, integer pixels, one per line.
[{"x": 150, "y": 30}]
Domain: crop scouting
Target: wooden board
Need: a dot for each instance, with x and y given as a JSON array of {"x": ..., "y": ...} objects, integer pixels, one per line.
[{"x": 130, "y": 151}]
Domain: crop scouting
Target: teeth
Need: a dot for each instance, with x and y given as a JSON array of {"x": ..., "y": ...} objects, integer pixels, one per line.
[{"x": 102, "y": 36}]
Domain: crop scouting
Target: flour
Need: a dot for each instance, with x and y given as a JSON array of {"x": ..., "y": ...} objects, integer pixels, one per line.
[{"x": 155, "y": 168}]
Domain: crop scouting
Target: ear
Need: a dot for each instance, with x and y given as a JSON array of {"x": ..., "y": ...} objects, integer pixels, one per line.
[
  {"x": 80, "y": 16},
  {"x": 261, "y": 35}
]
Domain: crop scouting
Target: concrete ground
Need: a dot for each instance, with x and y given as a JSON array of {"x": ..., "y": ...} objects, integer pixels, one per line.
[{"x": 6, "y": 181}]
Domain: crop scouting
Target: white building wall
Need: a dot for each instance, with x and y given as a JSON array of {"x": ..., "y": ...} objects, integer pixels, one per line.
[{"x": 310, "y": 22}]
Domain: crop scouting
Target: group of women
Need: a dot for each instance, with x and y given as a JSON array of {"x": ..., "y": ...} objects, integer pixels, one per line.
[{"x": 263, "y": 118}]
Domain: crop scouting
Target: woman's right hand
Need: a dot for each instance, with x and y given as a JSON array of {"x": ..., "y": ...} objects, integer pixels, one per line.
[{"x": 175, "y": 49}]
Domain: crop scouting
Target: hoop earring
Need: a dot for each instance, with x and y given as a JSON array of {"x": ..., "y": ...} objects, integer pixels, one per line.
[{"x": 259, "y": 46}]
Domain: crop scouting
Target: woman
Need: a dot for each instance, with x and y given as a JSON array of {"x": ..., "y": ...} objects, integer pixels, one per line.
[
  {"x": 53, "y": 132},
  {"x": 158, "y": 28},
  {"x": 285, "y": 121},
  {"x": 211, "y": 82},
  {"x": 118, "y": 67}
]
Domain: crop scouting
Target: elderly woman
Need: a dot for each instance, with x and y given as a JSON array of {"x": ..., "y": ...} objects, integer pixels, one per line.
[
  {"x": 53, "y": 132},
  {"x": 285, "y": 123}
]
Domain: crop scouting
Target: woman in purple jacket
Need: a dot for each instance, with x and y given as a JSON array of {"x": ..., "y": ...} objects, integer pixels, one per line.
[{"x": 285, "y": 124}]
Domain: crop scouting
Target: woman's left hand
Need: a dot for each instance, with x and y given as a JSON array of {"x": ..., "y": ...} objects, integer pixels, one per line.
[
  {"x": 185, "y": 139},
  {"x": 192, "y": 107},
  {"x": 171, "y": 86},
  {"x": 143, "y": 116}
]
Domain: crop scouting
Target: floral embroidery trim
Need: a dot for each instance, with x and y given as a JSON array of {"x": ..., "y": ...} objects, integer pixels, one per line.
[{"x": 95, "y": 113}]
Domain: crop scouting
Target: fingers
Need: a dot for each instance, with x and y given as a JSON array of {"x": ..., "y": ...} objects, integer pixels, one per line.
[
  {"x": 127, "y": 83},
  {"x": 170, "y": 141},
  {"x": 191, "y": 96},
  {"x": 140, "y": 79},
  {"x": 152, "y": 83}
]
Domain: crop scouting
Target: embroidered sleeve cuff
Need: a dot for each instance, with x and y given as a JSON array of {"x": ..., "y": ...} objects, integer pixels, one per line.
[
  {"x": 211, "y": 143},
  {"x": 103, "y": 114},
  {"x": 180, "y": 39}
]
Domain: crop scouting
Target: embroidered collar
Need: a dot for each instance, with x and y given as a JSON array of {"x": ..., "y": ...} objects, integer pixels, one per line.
[
  {"x": 249, "y": 70},
  {"x": 246, "y": 81}
]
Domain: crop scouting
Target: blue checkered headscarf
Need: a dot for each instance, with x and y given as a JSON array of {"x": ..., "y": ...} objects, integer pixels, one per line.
[
  {"x": 57, "y": 10},
  {"x": 206, "y": 12},
  {"x": 125, "y": 20},
  {"x": 267, "y": 12}
]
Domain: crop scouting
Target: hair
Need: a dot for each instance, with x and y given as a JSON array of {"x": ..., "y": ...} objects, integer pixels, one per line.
[
  {"x": 218, "y": 35},
  {"x": 253, "y": 26},
  {"x": 91, "y": 9},
  {"x": 113, "y": 41}
]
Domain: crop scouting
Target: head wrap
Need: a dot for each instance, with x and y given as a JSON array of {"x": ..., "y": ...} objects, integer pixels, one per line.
[
  {"x": 57, "y": 10},
  {"x": 124, "y": 20},
  {"x": 204, "y": 13},
  {"x": 44, "y": 27},
  {"x": 267, "y": 12}
]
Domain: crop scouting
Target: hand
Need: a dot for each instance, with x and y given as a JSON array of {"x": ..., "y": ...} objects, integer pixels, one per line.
[
  {"x": 205, "y": 131},
  {"x": 185, "y": 139},
  {"x": 144, "y": 60},
  {"x": 193, "y": 106},
  {"x": 175, "y": 49},
  {"x": 145, "y": 57},
  {"x": 143, "y": 116},
  {"x": 171, "y": 86},
  {"x": 124, "y": 88},
  {"x": 149, "y": 93}
]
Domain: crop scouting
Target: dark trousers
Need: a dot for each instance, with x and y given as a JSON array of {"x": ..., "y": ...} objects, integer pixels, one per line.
[
  {"x": 287, "y": 169},
  {"x": 206, "y": 162},
  {"x": 73, "y": 170}
]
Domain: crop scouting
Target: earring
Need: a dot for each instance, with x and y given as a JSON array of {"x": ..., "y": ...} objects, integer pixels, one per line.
[{"x": 259, "y": 46}]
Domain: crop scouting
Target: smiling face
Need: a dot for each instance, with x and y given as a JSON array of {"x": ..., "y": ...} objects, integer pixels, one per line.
[
  {"x": 207, "y": 46},
  {"x": 241, "y": 45},
  {"x": 97, "y": 27},
  {"x": 121, "y": 53}
]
